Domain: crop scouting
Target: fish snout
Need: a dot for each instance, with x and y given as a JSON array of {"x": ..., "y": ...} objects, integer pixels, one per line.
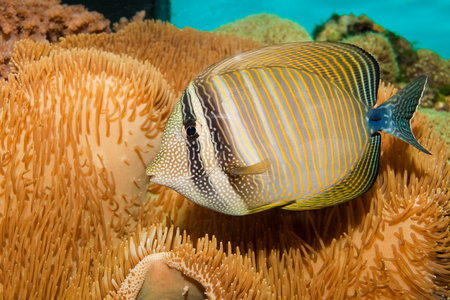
[
  {"x": 153, "y": 177},
  {"x": 152, "y": 172}
]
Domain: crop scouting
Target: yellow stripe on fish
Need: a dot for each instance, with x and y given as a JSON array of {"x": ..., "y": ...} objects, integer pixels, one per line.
[{"x": 291, "y": 125}]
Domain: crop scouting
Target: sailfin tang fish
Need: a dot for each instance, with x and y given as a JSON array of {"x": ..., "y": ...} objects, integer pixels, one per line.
[{"x": 292, "y": 125}]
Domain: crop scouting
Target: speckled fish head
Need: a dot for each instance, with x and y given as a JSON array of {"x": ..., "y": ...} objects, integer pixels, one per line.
[
  {"x": 170, "y": 166},
  {"x": 186, "y": 157},
  {"x": 191, "y": 161}
]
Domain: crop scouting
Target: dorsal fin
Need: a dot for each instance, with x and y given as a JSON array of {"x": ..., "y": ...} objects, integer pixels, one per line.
[{"x": 353, "y": 68}]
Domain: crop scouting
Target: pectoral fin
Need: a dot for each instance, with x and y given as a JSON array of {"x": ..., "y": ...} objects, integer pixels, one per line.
[{"x": 257, "y": 168}]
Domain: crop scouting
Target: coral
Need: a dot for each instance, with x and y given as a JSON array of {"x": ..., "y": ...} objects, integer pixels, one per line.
[
  {"x": 381, "y": 49},
  {"x": 78, "y": 126},
  {"x": 123, "y": 22},
  {"x": 341, "y": 27},
  {"x": 43, "y": 21},
  {"x": 266, "y": 28},
  {"x": 439, "y": 120},
  {"x": 437, "y": 69},
  {"x": 385, "y": 91},
  {"x": 427, "y": 62},
  {"x": 403, "y": 49}
]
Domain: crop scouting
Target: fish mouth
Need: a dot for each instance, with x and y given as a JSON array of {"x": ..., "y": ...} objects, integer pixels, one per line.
[{"x": 157, "y": 180}]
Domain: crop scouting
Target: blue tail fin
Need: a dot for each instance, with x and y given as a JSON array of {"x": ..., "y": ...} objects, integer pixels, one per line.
[{"x": 394, "y": 115}]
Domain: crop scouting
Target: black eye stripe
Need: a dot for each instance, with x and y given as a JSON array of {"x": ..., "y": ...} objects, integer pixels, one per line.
[{"x": 189, "y": 123}]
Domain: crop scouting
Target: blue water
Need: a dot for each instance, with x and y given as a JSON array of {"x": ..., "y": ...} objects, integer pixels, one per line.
[{"x": 425, "y": 23}]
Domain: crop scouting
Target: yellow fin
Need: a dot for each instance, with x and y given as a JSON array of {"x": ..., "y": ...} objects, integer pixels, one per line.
[{"x": 257, "y": 168}]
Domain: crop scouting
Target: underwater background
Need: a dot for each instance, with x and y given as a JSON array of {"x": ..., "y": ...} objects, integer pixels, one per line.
[{"x": 426, "y": 24}]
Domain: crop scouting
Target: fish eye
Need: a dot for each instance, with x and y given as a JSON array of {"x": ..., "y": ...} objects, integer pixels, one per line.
[{"x": 191, "y": 130}]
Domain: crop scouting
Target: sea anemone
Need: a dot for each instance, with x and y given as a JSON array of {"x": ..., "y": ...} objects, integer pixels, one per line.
[
  {"x": 78, "y": 128},
  {"x": 161, "y": 44},
  {"x": 206, "y": 270}
]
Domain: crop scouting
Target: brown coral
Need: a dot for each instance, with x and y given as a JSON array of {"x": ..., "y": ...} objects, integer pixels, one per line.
[
  {"x": 430, "y": 63},
  {"x": 266, "y": 28},
  {"x": 124, "y": 22},
  {"x": 44, "y": 21},
  {"x": 341, "y": 27},
  {"x": 398, "y": 60},
  {"x": 439, "y": 120}
]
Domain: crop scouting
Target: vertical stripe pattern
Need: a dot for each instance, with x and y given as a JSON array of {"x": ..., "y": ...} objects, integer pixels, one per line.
[
  {"x": 303, "y": 108},
  {"x": 312, "y": 131}
]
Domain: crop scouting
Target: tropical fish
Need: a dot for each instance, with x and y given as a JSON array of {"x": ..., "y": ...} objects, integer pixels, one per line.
[{"x": 292, "y": 125}]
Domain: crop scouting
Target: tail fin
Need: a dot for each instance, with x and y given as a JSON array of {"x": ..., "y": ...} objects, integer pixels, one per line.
[{"x": 399, "y": 110}]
